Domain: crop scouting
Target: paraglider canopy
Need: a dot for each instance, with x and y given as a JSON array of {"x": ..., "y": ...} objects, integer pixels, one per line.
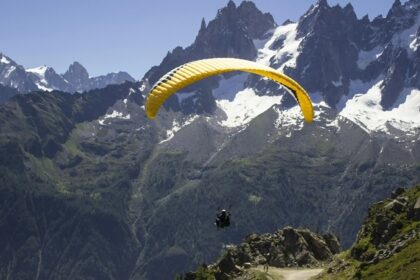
[{"x": 192, "y": 72}]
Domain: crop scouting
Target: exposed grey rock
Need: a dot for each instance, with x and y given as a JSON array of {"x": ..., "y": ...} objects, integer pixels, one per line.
[
  {"x": 109, "y": 79},
  {"x": 396, "y": 206},
  {"x": 77, "y": 75},
  {"x": 397, "y": 192},
  {"x": 288, "y": 247},
  {"x": 385, "y": 229},
  {"x": 332, "y": 242},
  {"x": 394, "y": 247}
]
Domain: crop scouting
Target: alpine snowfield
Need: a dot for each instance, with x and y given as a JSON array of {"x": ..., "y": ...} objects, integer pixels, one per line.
[
  {"x": 365, "y": 110},
  {"x": 41, "y": 81}
]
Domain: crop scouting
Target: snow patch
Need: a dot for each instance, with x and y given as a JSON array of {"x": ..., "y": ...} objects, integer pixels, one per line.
[
  {"x": 41, "y": 86},
  {"x": 131, "y": 91},
  {"x": 287, "y": 55},
  {"x": 245, "y": 106},
  {"x": 366, "y": 57},
  {"x": 288, "y": 118},
  {"x": 177, "y": 126},
  {"x": 260, "y": 43},
  {"x": 9, "y": 71},
  {"x": 38, "y": 71},
  {"x": 114, "y": 115},
  {"x": 414, "y": 44},
  {"x": 365, "y": 110},
  {"x": 4, "y": 60},
  {"x": 228, "y": 88}
]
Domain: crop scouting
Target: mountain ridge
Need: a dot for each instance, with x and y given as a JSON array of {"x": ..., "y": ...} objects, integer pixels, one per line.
[{"x": 75, "y": 79}]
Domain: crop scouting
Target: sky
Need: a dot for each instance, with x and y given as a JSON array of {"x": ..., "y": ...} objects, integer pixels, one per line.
[{"x": 125, "y": 35}]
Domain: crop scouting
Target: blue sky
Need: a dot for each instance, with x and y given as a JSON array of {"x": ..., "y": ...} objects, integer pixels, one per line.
[{"x": 127, "y": 35}]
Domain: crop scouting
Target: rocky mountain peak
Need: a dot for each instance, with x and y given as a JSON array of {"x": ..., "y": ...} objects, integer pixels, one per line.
[
  {"x": 77, "y": 75},
  {"x": 229, "y": 34},
  {"x": 5, "y": 60},
  {"x": 77, "y": 69},
  {"x": 349, "y": 10},
  {"x": 257, "y": 22},
  {"x": 396, "y": 9},
  {"x": 246, "y": 16},
  {"x": 203, "y": 26},
  {"x": 231, "y": 5},
  {"x": 322, "y": 18}
]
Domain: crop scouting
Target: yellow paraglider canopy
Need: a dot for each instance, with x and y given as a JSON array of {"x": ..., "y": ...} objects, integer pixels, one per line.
[{"x": 192, "y": 72}]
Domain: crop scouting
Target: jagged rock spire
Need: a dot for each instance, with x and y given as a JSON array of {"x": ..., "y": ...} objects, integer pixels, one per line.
[
  {"x": 322, "y": 3},
  {"x": 231, "y": 4},
  {"x": 203, "y": 25},
  {"x": 396, "y": 9}
]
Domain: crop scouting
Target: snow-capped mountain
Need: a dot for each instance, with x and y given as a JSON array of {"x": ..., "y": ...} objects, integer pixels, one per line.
[
  {"x": 14, "y": 75},
  {"x": 76, "y": 78},
  {"x": 364, "y": 71},
  {"x": 45, "y": 78},
  {"x": 94, "y": 162}
]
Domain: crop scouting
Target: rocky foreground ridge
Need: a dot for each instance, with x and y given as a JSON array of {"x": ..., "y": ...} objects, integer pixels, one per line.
[
  {"x": 288, "y": 247},
  {"x": 387, "y": 247},
  {"x": 388, "y": 244}
]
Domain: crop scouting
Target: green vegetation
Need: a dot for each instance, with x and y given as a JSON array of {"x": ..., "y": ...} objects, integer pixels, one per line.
[
  {"x": 403, "y": 265},
  {"x": 204, "y": 274}
]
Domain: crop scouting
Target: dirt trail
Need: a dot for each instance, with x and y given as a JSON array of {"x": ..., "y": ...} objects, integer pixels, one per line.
[{"x": 290, "y": 274}]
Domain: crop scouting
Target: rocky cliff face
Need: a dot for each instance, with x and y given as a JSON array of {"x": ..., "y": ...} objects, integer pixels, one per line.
[
  {"x": 77, "y": 75},
  {"x": 231, "y": 34}
]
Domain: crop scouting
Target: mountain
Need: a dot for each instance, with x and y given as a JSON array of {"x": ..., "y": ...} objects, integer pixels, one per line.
[
  {"x": 90, "y": 188},
  {"x": 46, "y": 79},
  {"x": 14, "y": 75},
  {"x": 76, "y": 78}
]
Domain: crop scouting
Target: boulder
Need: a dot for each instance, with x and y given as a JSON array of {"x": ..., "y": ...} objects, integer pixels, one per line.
[
  {"x": 317, "y": 245},
  {"x": 396, "y": 206},
  {"x": 332, "y": 242},
  {"x": 227, "y": 264},
  {"x": 247, "y": 265},
  {"x": 397, "y": 192}
]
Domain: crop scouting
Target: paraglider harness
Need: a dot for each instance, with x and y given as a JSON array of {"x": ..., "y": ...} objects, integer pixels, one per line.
[{"x": 223, "y": 219}]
